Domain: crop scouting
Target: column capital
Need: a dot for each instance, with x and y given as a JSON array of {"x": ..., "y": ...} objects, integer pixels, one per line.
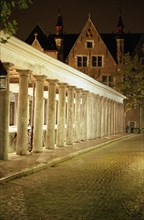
[
  {"x": 91, "y": 94},
  {"x": 39, "y": 77},
  {"x": 69, "y": 87},
  {"x": 52, "y": 81},
  {"x": 62, "y": 85},
  {"x": 97, "y": 96},
  {"x": 8, "y": 65},
  {"x": 101, "y": 97},
  {"x": 105, "y": 98},
  {"x": 24, "y": 72},
  {"x": 78, "y": 89},
  {"x": 85, "y": 92}
]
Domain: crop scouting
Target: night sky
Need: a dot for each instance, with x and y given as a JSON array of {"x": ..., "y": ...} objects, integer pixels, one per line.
[{"x": 104, "y": 14}]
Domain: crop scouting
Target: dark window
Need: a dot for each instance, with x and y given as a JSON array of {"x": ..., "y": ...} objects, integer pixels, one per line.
[
  {"x": 107, "y": 80},
  {"x": 89, "y": 44},
  {"x": 110, "y": 78},
  {"x": 79, "y": 61},
  {"x": 82, "y": 61},
  {"x": 97, "y": 61},
  {"x": 94, "y": 61},
  {"x": 100, "y": 61},
  {"x": 104, "y": 78}
]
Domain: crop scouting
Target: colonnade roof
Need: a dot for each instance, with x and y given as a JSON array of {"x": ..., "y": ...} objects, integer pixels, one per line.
[{"x": 25, "y": 57}]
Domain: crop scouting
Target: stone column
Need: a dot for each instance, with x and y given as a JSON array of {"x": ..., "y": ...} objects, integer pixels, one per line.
[
  {"x": 108, "y": 117},
  {"x": 116, "y": 118},
  {"x": 51, "y": 115},
  {"x": 114, "y": 122},
  {"x": 77, "y": 127},
  {"x": 70, "y": 116},
  {"x": 22, "y": 132},
  {"x": 112, "y": 117},
  {"x": 84, "y": 116},
  {"x": 61, "y": 115},
  {"x": 89, "y": 117},
  {"x": 121, "y": 116},
  {"x": 96, "y": 116},
  {"x": 98, "y": 120},
  {"x": 102, "y": 117},
  {"x": 4, "y": 117},
  {"x": 123, "y": 119},
  {"x": 38, "y": 114}
]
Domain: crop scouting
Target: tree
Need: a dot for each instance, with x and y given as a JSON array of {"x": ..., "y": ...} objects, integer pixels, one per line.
[
  {"x": 7, "y": 24},
  {"x": 130, "y": 81}
]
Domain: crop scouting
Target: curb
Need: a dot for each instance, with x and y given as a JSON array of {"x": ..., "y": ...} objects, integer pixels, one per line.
[{"x": 56, "y": 161}]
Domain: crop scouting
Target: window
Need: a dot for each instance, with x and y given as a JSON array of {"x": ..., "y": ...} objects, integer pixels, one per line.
[
  {"x": 94, "y": 61},
  {"x": 89, "y": 44},
  {"x": 111, "y": 81},
  {"x": 110, "y": 78},
  {"x": 132, "y": 124},
  {"x": 104, "y": 79},
  {"x": 97, "y": 61},
  {"x": 107, "y": 80},
  {"x": 81, "y": 61}
]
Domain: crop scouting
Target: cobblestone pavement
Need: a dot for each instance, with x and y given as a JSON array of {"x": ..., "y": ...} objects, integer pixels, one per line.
[{"x": 104, "y": 184}]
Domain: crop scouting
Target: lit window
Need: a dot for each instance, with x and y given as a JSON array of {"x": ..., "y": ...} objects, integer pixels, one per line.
[{"x": 82, "y": 61}]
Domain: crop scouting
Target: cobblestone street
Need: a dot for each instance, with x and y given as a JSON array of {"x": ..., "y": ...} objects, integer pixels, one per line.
[{"x": 104, "y": 184}]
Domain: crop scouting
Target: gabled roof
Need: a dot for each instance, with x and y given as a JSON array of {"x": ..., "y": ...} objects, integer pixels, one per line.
[
  {"x": 48, "y": 43},
  {"x": 68, "y": 42},
  {"x": 131, "y": 41},
  {"x": 110, "y": 42},
  {"x": 42, "y": 38}
]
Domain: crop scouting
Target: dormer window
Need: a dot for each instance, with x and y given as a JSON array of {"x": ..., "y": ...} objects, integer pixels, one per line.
[{"x": 90, "y": 44}]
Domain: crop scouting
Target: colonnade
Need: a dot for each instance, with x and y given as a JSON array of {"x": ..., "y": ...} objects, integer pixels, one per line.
[
  {"x": 79, "y": 108},
  {"x": 81, "y": 115}
]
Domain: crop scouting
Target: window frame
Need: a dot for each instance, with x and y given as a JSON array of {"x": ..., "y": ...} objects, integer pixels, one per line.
[
  {"x": 98, "y": 62},
  {"x": 82, "y": 61},
  {"x": 89, "y": 44},
  {"x": 107, "y": 80}
]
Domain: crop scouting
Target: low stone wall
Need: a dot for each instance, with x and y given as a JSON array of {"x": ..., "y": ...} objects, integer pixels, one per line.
[{"x": 13, "y": 139}]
